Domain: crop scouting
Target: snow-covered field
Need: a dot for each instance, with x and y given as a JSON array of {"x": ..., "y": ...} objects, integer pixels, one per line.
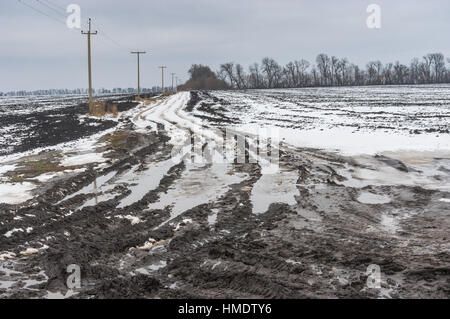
[
  {"x": 337, "y": 203},
  {"x": 351, "y": 120},
  {"x": 407, "y": 123},
  {"x": 410, "y": 124},
  {"x": 31, "y": 122}
]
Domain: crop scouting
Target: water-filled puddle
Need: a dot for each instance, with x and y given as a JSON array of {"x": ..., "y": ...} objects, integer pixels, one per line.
[
  {"x": 373, "y": 199},
  {"x": 139, "y": 182},
  {"x": 280, "y": 187},
  {"x": 198, "y": 185},
  {"x": 94, "y": 187},
  {"x": 145, "y": 181}
]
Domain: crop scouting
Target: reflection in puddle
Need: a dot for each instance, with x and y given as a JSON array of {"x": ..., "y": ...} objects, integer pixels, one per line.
[
  {"x": 373, "y": 199},
  {"x": 274, "y": 188},
  {"x": 99, "y": 199},
  {"x": 139, "y": 183},
  {"x": 198, "y": 185},
  {"x": 93, "y": 187},
  {"x": 145, "y": 181}
]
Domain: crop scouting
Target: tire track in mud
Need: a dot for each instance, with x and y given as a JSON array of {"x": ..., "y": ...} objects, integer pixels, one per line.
[
  {"x": 197, "y": 243},
  {"x": 92, "y": 220},
  {"x": 319, "y": 247}
]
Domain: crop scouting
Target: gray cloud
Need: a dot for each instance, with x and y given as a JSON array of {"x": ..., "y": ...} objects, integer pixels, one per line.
[{"x": 37, "y": 52}]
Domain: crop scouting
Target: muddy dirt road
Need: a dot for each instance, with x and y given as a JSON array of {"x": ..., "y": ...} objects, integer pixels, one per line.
[{"x": 141, "y": 224}]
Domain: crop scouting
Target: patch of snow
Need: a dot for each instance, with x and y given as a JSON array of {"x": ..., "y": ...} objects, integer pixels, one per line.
[
  {"x": 46, "y": 177},
  {"x": 293, "y": 262},
  {"x": 133, "y": 219},
  {"x": 11, "y": 232},
  {"x": 15, "y": 193},
  {"x": 152, "y": 268},
  {"x": 389, "y": 223},
  {"x": 185, "y": 221},
  {"x": 83, "y": 159},
  {"x": 7, "y": 255},
  {"x": 7, "y": 168},
  {"x": 58, "y": 295},
  {"x": 29, "y": 251},
  {"x": 347, "y": 142},
  {"x": 212, "y": 218}
]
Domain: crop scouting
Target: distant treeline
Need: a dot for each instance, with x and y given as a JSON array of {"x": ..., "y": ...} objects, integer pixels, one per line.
[
  {"x": 102, "y": 91},
  {"x": 327, "y": 71}
]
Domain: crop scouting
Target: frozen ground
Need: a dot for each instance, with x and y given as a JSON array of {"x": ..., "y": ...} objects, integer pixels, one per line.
[
  {"x": 141, "y": 222},
  {"x": 361, "y": 120},
  {"x": 28, "y": 123}
]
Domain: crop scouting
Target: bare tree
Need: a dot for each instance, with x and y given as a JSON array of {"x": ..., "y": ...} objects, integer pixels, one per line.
[
  {"x": 241, "y": 78},
  {"x": 228, "y": 70},
  {"x": 388, "y": 77},
  {"x": 372, "y": 72},
  {"x": 291, "y": 75},
  {"x": 414, "y": 72},
  {"x": 438, "y": 62},
  {"x": 400, "y": 73},
  {"x": 272, "y": 71},
  {"x": 315, "y": 77},
  {"x": 425, "y": 68},
  {"x": 323, "y": 64},
  {"x": 255, "y": 77},
  {"x": 301, "y": 68},
  {"x": 343, "y": 71},
  {"x": 335, "y": 71}
]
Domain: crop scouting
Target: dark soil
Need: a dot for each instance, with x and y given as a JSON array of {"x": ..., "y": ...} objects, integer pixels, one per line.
[
  {"x": 52, "y": 127},
  {"x": 319, "y": 248}
]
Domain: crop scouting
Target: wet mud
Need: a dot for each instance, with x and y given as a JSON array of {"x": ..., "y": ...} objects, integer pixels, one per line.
[{"x": 317, "y": 243}]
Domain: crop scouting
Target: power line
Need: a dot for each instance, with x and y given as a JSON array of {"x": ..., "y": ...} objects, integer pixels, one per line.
[
  {"x": 103, "y": 34},
  {"x": 60, "y": 11},
  {"x": 56, "y": 6},
  {"x": 40, "y": 12},
  {"x": 51, "y": 8},
  {"x": 110, "y": 39}
]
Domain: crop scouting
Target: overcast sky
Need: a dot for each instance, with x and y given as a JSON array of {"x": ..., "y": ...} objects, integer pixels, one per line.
[{"x": 37, "y": 52}]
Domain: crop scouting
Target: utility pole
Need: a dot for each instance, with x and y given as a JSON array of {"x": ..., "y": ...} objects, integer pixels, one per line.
[
  {"x": 173, "y": 76},
  {"x": 138, "y": 53},
  {"x": 89, "y": 33},
  {"x": 162, "y": 69}
]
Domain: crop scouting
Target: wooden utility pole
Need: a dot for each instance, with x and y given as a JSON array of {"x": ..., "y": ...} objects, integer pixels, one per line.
[
  {"x": 138, "y": 53},
  {"x": 173, "y": 76},
  {"x": 162, "y": 69},
  {"x": 89, "y": 33}
]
